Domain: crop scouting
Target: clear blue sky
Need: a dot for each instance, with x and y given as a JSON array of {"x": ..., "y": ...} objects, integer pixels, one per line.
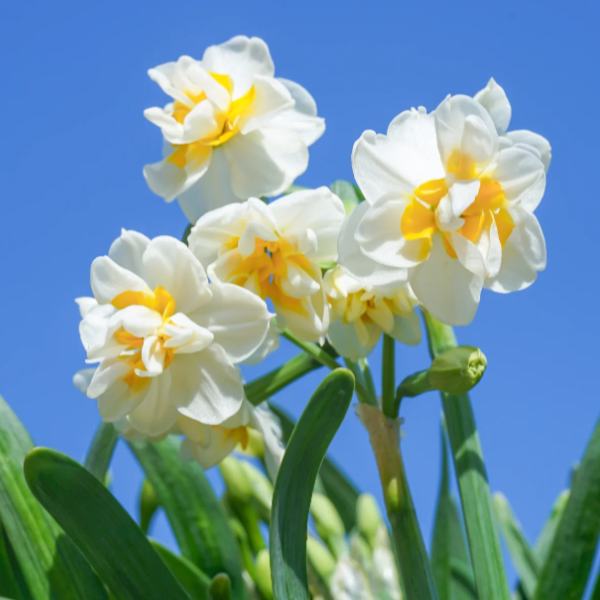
[{"x": 74, "y": 142}]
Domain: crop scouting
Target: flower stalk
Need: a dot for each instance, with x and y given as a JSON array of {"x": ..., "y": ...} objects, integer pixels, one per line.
[{"x": 388, "y": 382}]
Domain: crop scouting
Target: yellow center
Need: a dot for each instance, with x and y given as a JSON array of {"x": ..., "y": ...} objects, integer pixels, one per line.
[
  {"x": 267, "y": 266},
  {"x": 163, "y": 303},
  {"x": 227, "y": 123},
  {"x": 419, "y": 220}
]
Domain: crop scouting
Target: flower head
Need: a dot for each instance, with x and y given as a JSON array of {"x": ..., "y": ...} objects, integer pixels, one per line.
[
  {"x": 447, "y": 208},
  {"x": 361, "y": 313},
  {"x": 276, "y": 251},
  {"x": 165, "y": 340},
  {"x": 232, "y": 131}
]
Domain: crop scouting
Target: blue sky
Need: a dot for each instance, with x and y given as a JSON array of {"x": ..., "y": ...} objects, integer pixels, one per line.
[{"x": 75, "y": 141}]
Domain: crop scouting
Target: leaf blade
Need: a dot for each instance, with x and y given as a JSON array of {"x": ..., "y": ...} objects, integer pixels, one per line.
[{"x": 101, "y": 450}]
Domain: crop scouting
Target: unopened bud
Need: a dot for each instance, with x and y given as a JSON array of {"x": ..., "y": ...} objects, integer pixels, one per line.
[
  {"x": 220, "y": 587},
  {"x": 263, "y": 575},
  {"x": 458, "y": 370},
  {"x": 262, "y": 490},
  {"x": 327, "y": 519},
  {"x": 368, "y": 516},
  {"x": 238, "y": 487},
  {"x": 148, "y": 505},
  {"x": 320, "y": 559}
]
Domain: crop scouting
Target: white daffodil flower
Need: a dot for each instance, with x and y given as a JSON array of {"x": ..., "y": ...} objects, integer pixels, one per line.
[
  {"x": 275, "y": 251},
  {"x": 208, "y": 445},
  {"x": 447, "y": 208},
  {"x": 494, "y": 99},
  {"x": 361, "y": 314},
  {"x": 233, "y": 130},
  {"x": 165, "y": 340}
]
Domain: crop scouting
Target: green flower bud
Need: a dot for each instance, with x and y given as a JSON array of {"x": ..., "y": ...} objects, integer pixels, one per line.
[
  {"x": 368, "y": 516},
  {"x": 148, "y": 505},
  {"x": 262, "y": 490},
  {"x": 320, "y": 559},
  {"x": 458, "y": 370},
  {"x": 220, "y": 587},
  {"x": 328, "y": 523},
  {"x": 263, "y": 575},
  {"x": 238, "y": 486}
]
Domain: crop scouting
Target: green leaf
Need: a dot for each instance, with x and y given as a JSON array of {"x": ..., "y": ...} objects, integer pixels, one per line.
[
  {"x": 189, "y": 575},
  {"x": 195, "y": 513},
  {"x": 458, "y": 553},
  {"x": 346, "y": 193},
  {"x": 101, "y": 451},
  {"x": 220, "y": 587},
  {"x": 9, "y": 585},
  {"x": 564, "y": 574},
  {"x": 546, "y": 537},
  {"x": 482, "y": 535},
  {"x": 462, "y": 576},
  {"x": 305, "y": 451},
  {"x": 335, "y": 484},
  {"x": 518, "y": 547},
  {"x": 51, "y": 565},
  {"x": 100, "y": 527}
]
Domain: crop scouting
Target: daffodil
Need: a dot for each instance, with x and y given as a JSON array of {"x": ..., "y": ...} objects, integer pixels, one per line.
[
  {"x": 361, "y": 314},
  {"x": 165, "y": 340},
  {"x": 276, "y": 251},
  {"x": 447, "y": 207},
  {"x": 494, "y": 99},
  {"x": 233, "y": 130}
]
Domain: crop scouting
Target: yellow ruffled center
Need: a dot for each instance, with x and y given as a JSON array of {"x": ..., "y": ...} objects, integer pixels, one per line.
[
  {"x": 164, "y": 304},
  {"x": 227, "y": 123},
  {"x": 419, "y": 219}
]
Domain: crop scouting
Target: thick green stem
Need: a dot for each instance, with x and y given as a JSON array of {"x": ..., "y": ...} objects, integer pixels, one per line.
[
  {"x": 359, "y": 375},
  {"x": 388, "y": 381},
  {"x": 101, "y": 450},
  {"x": 327, "y": 360},
  {"x": 484, "y": 542}
]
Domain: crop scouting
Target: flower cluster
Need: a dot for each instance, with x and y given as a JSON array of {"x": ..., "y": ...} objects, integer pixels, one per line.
[{"x": 449, "y": 200}]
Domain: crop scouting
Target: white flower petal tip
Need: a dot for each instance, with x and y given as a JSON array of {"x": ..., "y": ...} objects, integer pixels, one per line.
[
  {"x": 449, "y": 208},
  {"x": 232, "y": 131},
  {"x": 166, "y": 340},
  {"x": 275, "y": 251}
]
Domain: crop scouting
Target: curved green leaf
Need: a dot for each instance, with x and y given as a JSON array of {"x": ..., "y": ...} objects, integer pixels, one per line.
[
  {"x": 51, "y": 565},
  {"x": 9, "y": 584},
  {"x": 565, "y": 573},
  {"x": 100, "y": 527},
  {"x": 335, "y": 484},
  {"x": 458, "y": 552},
  {"x": 462, "y": 577},
  {"x": 101, "y": 451},
  {"x": 306, "y": 449},
  {"x": 195, "y": 513},
  {"x": 189, "y": 575},
  {"x": 482, "y": 535}
]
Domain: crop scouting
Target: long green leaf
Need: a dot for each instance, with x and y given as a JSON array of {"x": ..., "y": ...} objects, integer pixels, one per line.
[
  {"x": 335, "y": 484},
  {"x": 462, "y": 575},
  {"x": 306, "y": 449},
  {"x": 441, "y": 541},
  {"x": 195, "y": 513},
  {"x": 484, "y": 542},
  {"x": 106, "y": 535},
  {"x": 51, "y": 565},
  {"x": 9, "y": 585},
  {"x": 195, "y": 582},
  {"x": 522, "y": 555},
  {"x": 459, "y": 554},
  {"x": 101, "y": 451},
  {"x": 565, "y": 573}
]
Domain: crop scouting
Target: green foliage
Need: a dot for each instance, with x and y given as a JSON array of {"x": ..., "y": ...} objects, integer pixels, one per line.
[
  {"x": 293, "y": 491},
  {"x": 101, "y": 451}
]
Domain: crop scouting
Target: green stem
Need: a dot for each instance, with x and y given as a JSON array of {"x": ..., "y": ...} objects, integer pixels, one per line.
[
  {"x": 327, "y": 360},
  {"x": 359, "y": 375},
  {"x": 363, "y": 363},
  {"x": 388, "y": 383},
  {"x": 264, "y": 387},
  {"x": 482, "y": 534},
  {"x": 101, "y": 451}
]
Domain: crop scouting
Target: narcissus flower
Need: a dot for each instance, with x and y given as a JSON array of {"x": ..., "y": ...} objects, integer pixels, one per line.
[
  {"x": 361, "y": 314},
  {"x": 446, "y": 207},
  {"x": 276, "y": 251},
  {"x": 165, "y": 340},
  {"x": 494, "y": 99},
  {"x": 232, "y": 131}
]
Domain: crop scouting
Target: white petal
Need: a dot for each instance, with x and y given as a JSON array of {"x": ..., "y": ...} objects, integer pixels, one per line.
[
  {"x": 86, "y": 304},
  {"x": 169, "y": 181},
  {"x": 345, "y": 340},
  {"x": 206, "y": 386},
  {"x": 462, "y": 194},
  {"x": 200, "y": 123},
  {"x": 242, "y": 58},
  {"x": 266, "y": 161},
  {"x": 493, "y": 98},
  {"x": 445, "y": 288},
  {"x": 478, "y": 142},
  {"x": 253, "y": 231},
  {"x": 540, "y": 143},
  {"x": 407, "y": 329},
  {"x": 153, "y": 356},
  {"x": 170, "y": 263},
  {"x": 238, "y": 319},
  {"x": 269, "y": 345},
  {"x": 108, "y": 280},
  {"x": 266, "y": 423},
  {"x": 138, "y": 320},
  {"x": 83, "y": 378},
  {"x": 445, "y": 218},
  {"x": 172, "y": 78},
  {"x": 310, "y": 321},
  {"x": 107, "y": 373},
  {"x": 469, "y": 255},
  {"x": 271, "y": 99},
  {"x": 96, "y": 332},
  {"x": 186, "y": 335},
  {"x": 302, "y": 118},
  {"x": 214, "y": 91},
  {"x": 117, "y": 401},
  {"x": 127, "y": 251}
]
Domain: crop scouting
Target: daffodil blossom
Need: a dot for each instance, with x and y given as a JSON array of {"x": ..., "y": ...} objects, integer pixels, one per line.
[
  {"x": 276, "y": 251},
  {"x": 165, "y": 340},
  {"x": 233, "y": 130},
  {"x": 447, "y": 208},
  {"x": 208, "y": 445},
  {"x": 494, "y": 99},
  {"x": 359, "y": 314}
]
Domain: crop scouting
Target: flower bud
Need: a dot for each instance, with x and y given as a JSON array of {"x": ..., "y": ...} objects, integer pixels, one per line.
[
  {"x": 368, "y": 516},
  {"x": 457, "y": 370},
  {"x": 328, "y": 523},
  {"x": 238, "y": 486},
  {"x": 262, "y": 490},
  {"x": 148, "y": 505},
  {"x": 263, "y": 575},
  {"x": 220, "y": 587},
  {"x": 320, "y": 559}
]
